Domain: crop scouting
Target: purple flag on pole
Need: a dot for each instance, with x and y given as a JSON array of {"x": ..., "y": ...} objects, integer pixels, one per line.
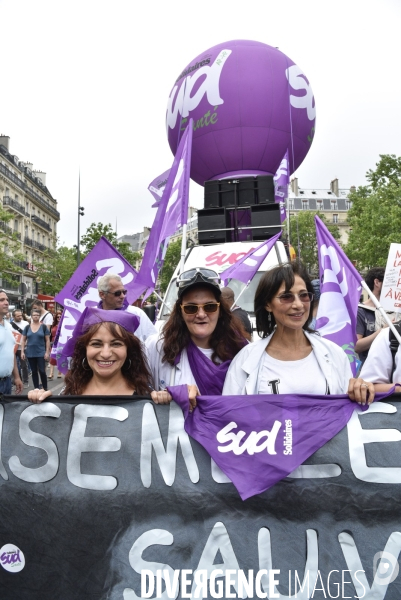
[
  {"x": 157, "y": 186},
  {"x": 81, "y": 290},
  {"x": 260, "y": 439},
  {"x": 172, "y": 213},
  {"x": 281, "y": 181},
  {"x": 340, "y": 290},
  {"x": 244, "y": 270}
]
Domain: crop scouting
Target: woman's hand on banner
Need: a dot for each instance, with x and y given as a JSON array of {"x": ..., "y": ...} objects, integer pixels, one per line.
[
  {"x": 37, "y": 396},
  {"x": 360, "y": 391},
  {"x": 192, "y": 393},
  {"x": 162, "y": 397}
]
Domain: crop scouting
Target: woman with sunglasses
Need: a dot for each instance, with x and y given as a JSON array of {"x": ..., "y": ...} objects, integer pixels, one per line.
[
  {"x": 200, "y": 338},
  {"x": 291, "y": 358}
]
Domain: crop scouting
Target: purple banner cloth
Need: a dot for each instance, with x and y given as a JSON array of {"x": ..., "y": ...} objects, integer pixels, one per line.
[
  {"x": 340, "y": 290},
  {"x": 281, "y": 181},
  {"x": 258, "y": 440},
  {"x": 171, "y": 214},
  {"x": 208, "y": 376},
  {"x": 245, "y": 269},
  {"x": 81, "y": 290},
  {"x": 156, "y": 187}
]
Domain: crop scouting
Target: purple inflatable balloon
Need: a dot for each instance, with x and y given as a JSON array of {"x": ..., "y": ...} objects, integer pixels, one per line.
[{"x": 250, "y": 103}]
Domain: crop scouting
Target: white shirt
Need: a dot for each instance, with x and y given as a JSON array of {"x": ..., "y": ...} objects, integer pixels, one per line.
[
  {"x": 21, "y": 324},
  {"x": 47, "y": 319},
  {"x": 244, "y": 371},
  {"x": 377, "y": 367},
  {"x": 7, "y": 344},
  {"x": 145, "y": 327},
  {"x": 291, "y": 376},
  {"x": 163, "y": 373}
]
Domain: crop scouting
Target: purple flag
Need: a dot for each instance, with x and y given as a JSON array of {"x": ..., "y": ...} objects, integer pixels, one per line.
[
  {"x": 172, "y": 213},
  {"x": 281, "y": 181},
  {"x": 244, "y": 269},
  {"x": 81, "y": 290},
  {"x": 260, "y": 439},
  {"x": 340, "y": 290},
  {"x": 156, "y": 187}
]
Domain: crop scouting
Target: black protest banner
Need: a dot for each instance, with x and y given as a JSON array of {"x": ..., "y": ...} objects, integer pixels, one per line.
[{"x": 95, "y": 493}]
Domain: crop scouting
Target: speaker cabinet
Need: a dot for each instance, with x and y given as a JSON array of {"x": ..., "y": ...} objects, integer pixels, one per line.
[
  {"x": 265, "y": 189},
  {"x": 267, "y": 220},
  {"x": 212, "y": 194},
  {"x": 212, "y": 226},
  {"x": 228, "y": 192}
]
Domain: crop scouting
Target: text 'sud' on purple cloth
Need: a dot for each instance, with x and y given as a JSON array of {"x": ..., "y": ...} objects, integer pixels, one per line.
[{"x": 260, "y": 439}]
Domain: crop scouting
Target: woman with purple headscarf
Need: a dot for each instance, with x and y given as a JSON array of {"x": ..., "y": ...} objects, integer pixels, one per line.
[
  {"x": 106, "y": 358},
  {"x": 200, "y": 338}
]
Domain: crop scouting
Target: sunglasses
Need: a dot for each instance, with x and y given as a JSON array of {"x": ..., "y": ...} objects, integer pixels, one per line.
[
  {"x": 192, "y": 309},
  {"x": 207, "y": 275},
  {"x": 118, "y": 293},
  {"x": 289, "y": 297}
]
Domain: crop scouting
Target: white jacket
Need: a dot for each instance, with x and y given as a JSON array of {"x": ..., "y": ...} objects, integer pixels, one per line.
[
  {"x": 243, "y": 374},
  {"x": 163, "y": 373}
]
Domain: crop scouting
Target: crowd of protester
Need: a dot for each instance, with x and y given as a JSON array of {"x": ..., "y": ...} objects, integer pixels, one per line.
[{"x": 206, "y": 343}]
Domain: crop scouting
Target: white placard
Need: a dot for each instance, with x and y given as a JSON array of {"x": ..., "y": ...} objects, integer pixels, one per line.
[{"x": 390, "y": 297}]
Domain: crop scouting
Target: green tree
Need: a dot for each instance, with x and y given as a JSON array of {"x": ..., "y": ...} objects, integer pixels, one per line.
[
  {"x": 96, "y": 230},
  {"x": 171, "y": 260},
  {"x": 375, "y": 216},
  {"x": 57, "y": 269},
  {"x": 302, "y": 228},
  {"x": 11, "y": 257}
]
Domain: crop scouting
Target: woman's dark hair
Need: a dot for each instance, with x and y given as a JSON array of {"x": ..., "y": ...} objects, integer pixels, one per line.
[
  {"x": 227, "y": 339},
  {"x": 267, "y": 289},
  {"x": 56, "y": 320},
  {"x": 135, "y": 372}
]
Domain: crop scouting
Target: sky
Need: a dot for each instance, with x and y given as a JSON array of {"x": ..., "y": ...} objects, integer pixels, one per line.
[{"x": 85, "y": 85}]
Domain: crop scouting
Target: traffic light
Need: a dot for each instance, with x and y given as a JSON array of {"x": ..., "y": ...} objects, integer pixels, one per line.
[{"x": 81, "y": 211}]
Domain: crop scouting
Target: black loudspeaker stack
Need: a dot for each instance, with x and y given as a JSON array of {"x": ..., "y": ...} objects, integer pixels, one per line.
[{"x": 226, "y": 199}]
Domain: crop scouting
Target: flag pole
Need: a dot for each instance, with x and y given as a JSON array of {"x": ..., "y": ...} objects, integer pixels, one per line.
[
  {"x": 382, "y": 311},
  {"x": 240, "y": 294}
]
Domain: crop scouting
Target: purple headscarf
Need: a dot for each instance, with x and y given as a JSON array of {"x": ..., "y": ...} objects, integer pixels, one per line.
[{"x": 93, "y": 316}]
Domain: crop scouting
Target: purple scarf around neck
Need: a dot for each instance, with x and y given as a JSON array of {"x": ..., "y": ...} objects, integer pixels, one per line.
[{"x": 208, "y": 376}]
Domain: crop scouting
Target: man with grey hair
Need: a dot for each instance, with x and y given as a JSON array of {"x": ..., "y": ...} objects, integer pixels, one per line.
[{"x": 113, "y": 296}]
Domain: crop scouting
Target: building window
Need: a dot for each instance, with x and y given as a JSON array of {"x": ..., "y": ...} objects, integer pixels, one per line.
[
  {"x": 304, "y": 205},
  {"x": 335, "y": 218},
  {"x": 334, "y": 205},
  {"x": 348, "y": 204},
  {"x": 291, "y": 204}
]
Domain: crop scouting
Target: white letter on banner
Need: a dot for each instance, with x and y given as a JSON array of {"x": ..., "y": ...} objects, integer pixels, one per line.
[
  {"x": 151, "y": 578},
  {"x": 3, "y": 471},
  {"x": 151, "y": 438},
  {"x": 311, "y": 565},
  {"x": 116, "y": 266},
  {"x": 150, "y": 538},
  {"x": 78, "y": 444},
  {"x": 358, "y": 437},
  {"x": 382, "y": 574},
  {"x": 37, "y": 440},
  {"x": 218, "y": 540}
]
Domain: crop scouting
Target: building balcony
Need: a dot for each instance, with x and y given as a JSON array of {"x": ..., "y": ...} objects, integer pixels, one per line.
[
  {"x": 9, "y": 231},
  {"x": 41, "y": 223},
  {"x": 20, "y": 263},
  {"x": 7, "y": 201},
  {"x": 43, "y": 203},
  {"x": 36, "y": 245}
]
